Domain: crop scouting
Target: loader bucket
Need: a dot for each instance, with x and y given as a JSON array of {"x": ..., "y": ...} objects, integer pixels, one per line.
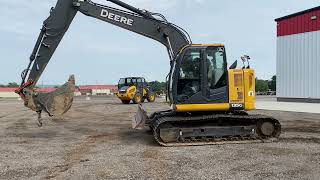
[
  {"x": 140, "y": 118},
  {"x": 57, "y": 102}
]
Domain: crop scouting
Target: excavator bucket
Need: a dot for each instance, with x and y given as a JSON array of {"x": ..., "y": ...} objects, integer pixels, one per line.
[
  {"x": 140, "y": 118},
  {"x": 59, "y": 101}
]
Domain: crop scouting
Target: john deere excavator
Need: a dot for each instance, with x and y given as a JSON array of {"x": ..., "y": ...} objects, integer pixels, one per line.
[
  {"x": 134, "y": 89},
  {"x": 208, "y": 101}
]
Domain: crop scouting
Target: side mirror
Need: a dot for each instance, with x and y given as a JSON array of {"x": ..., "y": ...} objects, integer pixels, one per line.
[{"x": 234, "y": 65}]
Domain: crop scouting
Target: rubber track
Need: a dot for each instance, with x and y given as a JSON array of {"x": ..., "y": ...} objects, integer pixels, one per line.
[{"x": 215, "y": 141}]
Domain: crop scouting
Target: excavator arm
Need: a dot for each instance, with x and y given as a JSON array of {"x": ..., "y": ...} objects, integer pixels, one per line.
[{"x": 148, "y": 24}]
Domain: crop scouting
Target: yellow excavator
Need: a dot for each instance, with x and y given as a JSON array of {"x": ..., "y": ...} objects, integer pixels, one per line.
[
  {"x": 208, "y": 101},
  {"x": 134, "y": 89}
]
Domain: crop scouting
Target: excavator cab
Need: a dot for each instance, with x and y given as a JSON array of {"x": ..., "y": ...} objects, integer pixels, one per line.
[
  {"x": 201, "y": 81},
  {"x": 200, "y": 76}
]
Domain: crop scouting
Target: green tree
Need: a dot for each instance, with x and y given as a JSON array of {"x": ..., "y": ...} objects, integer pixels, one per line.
[
  {"x": 273, "y": 83},
  {"x": 158, "y": 87},
  {"x": 12, "y": 84},
  {"x": 261, "y": 85},
  {"x": 1, "y": 85}
]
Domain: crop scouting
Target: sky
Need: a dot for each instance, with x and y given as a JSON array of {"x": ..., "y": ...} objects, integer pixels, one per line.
[{"x": 99, "y": 53}]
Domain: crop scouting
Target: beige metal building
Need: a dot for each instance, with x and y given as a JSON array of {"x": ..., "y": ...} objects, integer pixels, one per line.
[
  {"x": 6, "y": 92},
  {"x": 98, "y": 90}
]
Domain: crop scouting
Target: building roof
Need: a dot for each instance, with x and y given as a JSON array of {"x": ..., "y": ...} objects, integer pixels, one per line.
[
  {"x": 297, "y": 14},
  {"x": 298, "y": 23},
  {"x": 7, "y": 89},
  {"x": 89, "y": 87}
]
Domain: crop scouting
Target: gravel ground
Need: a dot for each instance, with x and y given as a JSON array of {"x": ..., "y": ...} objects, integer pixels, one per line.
[{"x": 94, "y": 141}]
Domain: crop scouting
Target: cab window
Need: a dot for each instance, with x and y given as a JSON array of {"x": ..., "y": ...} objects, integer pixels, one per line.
[
  {"x": 216, "y": 67},
  {"x": 134, "y": 81},
  {"x": 139, "y": 82},
  {"x": 189, "y": 81},
  {"x": 121, "y": 83}
]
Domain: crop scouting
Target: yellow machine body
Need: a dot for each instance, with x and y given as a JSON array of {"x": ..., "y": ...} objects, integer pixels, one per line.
[
  {"x": 144, "y": 93},
  {"x": 241, "y": 86},
  {"x": 128, "y": 94}
]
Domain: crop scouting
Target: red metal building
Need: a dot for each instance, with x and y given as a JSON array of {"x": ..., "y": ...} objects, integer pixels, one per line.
[
  {"x": 298, "y": 56},
  {"x": 301, "y": 22}
]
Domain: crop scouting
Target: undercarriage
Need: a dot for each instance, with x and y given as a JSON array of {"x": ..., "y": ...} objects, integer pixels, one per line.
[{"x": 182, "y": 129}]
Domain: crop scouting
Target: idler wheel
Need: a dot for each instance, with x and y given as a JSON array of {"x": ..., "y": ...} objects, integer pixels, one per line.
[{"x": 267, "y": 128}]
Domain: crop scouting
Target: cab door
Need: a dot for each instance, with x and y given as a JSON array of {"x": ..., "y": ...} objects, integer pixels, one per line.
[
  {"x": 216, "y": 75},
  {"x": 188, "y": 79}
]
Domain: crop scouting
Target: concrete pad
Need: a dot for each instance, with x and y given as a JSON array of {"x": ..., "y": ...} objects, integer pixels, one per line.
[{"x": 270, "y": 103}]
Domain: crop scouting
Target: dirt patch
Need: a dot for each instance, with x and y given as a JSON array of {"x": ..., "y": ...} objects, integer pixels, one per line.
[
  {"x": 22, "y": 173},
  {"x": 301, "y": 139},
  {"x": 152, "y": 154},
  {"x": 77, "y": 154},
  {"x": 278, "y": 151}
]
